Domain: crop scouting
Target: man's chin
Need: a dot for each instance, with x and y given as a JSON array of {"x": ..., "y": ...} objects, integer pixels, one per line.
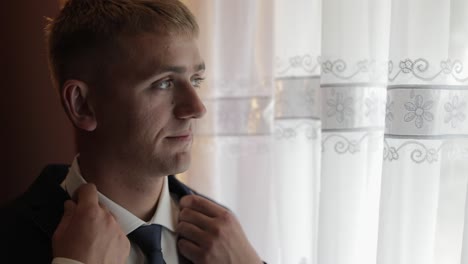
[{"x": 181, "y": 162}]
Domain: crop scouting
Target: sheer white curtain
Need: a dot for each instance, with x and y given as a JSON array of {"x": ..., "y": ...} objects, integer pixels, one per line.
[{"x": 337, "y": 130}]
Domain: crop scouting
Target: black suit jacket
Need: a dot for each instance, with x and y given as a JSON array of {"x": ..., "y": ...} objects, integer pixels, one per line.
[{"x": 27, "y": 224}]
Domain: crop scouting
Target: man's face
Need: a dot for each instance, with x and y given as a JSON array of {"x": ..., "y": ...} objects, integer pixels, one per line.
[{"x": 144, "y": 117}]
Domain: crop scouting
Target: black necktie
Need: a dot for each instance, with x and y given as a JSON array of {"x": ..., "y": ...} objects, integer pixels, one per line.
[{"x": 148, "y": 238}]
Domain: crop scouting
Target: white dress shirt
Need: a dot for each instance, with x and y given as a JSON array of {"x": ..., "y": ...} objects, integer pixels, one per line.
[{"x": 165, "y": 215}]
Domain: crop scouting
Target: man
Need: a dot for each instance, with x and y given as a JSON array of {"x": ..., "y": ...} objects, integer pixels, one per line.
[{"x": 127, "y": 72}]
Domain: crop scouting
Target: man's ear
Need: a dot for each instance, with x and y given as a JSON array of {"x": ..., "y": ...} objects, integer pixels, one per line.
[{"x": 78, "y": 104}]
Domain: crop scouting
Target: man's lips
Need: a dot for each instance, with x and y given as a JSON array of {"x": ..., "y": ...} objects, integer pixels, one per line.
[{"x": 181, "y": 136}]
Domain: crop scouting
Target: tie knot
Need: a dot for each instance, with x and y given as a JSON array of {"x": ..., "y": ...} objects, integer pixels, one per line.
[{"x": 148, "y": 238}]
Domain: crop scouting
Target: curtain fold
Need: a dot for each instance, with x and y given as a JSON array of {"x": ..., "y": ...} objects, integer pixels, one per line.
[{"x": 336, "y": 130}]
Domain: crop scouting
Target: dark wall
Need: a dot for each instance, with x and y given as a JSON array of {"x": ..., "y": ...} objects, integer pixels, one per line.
[{"x": 34, "y": 129}]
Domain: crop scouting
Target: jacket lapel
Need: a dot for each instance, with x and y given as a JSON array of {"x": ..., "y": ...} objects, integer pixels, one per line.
[
  {"x": 177, "y": 188},
  {"x": 43, "y": 202},
  {"x": 45, "y": 198}
]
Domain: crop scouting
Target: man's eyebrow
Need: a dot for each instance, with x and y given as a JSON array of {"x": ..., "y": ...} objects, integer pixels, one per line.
[{"x": 180, "y": 69}]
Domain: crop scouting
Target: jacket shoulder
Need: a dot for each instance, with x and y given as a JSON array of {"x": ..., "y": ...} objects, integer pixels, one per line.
[
  {"x": 22, "y": 240},
  {"x": 27, "y": 223}
]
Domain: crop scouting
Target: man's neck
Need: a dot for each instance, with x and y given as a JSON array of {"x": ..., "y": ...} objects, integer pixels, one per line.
[{"x": 133, "y": 190}]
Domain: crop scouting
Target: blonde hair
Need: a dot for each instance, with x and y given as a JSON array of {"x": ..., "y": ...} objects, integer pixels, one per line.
[{"x": 82, "y": 40}]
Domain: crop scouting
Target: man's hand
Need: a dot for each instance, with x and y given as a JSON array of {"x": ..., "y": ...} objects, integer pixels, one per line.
[
  {"x": 210, "y": 233},
  {"x": 88, "y": 232}
]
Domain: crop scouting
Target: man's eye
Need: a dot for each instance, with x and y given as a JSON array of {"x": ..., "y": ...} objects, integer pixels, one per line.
[
  {"x": 164, "y": 84},
  {"x": 197, "y": 82}
]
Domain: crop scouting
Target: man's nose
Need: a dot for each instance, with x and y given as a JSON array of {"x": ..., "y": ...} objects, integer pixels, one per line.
[{"x": 188, "y": 104}]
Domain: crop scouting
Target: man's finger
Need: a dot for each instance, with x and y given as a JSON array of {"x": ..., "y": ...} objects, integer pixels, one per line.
[
  {"x": 86, "y": 194},
  {"x": 194, "y": 217},
  {"x": 189, "y": 250},
  {"x": 191, "y": 232},
  {"x": 69, "y": 209},
  {"x": 202, "y": 205},
  {"x": 107, "y": 210}
]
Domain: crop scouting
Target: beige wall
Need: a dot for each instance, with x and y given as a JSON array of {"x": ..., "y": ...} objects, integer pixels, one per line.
[{"x": 34, "y": 129}]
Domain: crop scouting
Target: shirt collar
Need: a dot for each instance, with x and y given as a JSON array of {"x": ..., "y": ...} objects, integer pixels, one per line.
[{"x": 165, "y": 214}]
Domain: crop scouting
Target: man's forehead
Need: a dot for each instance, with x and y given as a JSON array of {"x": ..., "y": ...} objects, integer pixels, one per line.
[
  {"x": 182, "y": 69},
  {"x": 154, "y": 40},
  {"x": 148, "y": 54},
  {"x": 144, "y": 46},
  {"x": 154, "y": 64}
]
